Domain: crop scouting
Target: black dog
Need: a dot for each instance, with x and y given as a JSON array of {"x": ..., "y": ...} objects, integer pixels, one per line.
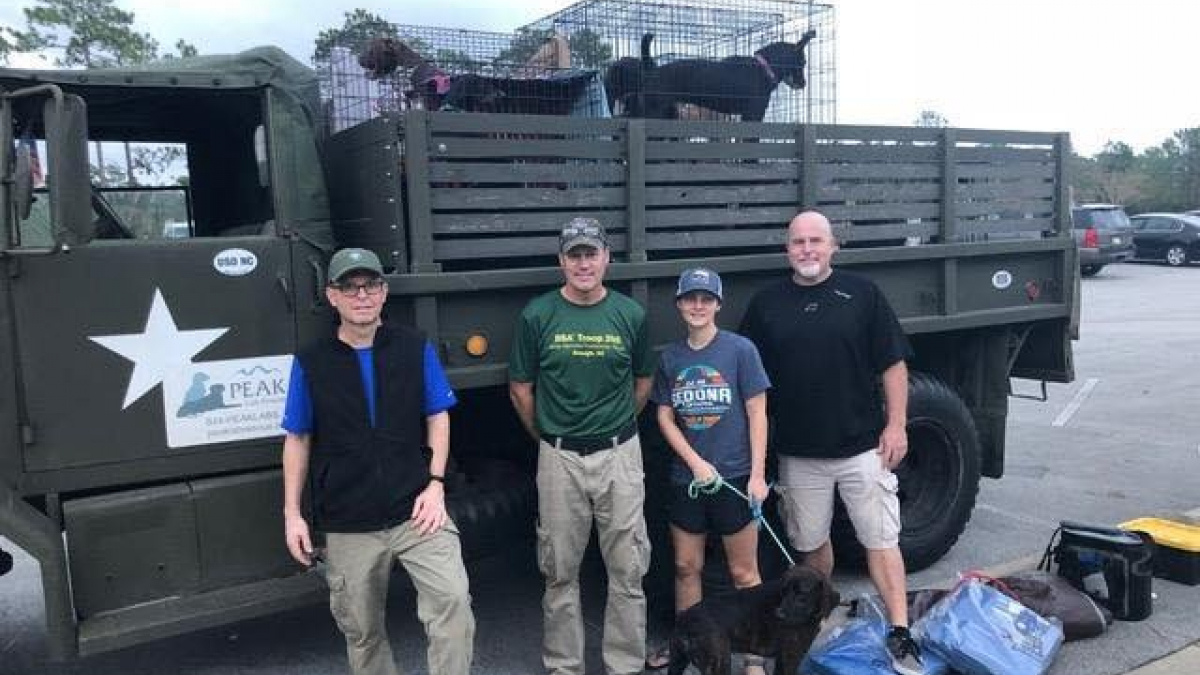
[
  {"x": 623, "y": 80},
  {"x": 778, "y": 618},
  {"x": 736, "y": 85},
  {"x": 532, "y": 96}
]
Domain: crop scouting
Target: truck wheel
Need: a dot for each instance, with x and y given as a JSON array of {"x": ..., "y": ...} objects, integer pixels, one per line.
[
  {"x": 494, "y": 515},
  {"x": 1090, "y": 270},
  {"x": 939, "y": 478},
  {"x": 1177, "y": 255}
]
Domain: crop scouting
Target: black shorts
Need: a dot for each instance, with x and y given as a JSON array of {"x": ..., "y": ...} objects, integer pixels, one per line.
[{"x": 722, "y": 513}]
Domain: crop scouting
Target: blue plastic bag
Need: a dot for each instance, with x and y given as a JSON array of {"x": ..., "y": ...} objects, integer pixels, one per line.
[
  {"x": 858, "y": 648},
  {"x": 980, "y": 631}
]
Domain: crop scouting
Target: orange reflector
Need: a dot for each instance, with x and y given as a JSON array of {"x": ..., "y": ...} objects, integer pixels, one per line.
[{"x": 477, "y": 345}]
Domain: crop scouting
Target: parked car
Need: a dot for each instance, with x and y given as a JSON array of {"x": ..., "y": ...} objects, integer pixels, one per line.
[
  {"x": 1104, "y": 236},
  {"x": 1173, "y": 237}
]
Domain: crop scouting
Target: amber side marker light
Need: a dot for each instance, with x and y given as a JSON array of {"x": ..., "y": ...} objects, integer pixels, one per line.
[{"x": 477, "y": 345}]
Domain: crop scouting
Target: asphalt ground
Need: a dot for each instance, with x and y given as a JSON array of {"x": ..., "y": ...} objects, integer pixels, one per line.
[{"x": 1120, "y": 442}]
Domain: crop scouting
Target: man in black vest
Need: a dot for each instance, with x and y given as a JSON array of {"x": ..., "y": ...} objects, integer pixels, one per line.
[{"x": 363, "y": 408}]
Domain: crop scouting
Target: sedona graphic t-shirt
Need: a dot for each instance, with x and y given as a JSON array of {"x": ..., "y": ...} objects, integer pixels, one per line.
[{"x": 708, "y": 389}]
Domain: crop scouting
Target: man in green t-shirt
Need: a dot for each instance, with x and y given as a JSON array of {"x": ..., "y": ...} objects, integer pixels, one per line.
[{"x": 579, "y": 373}]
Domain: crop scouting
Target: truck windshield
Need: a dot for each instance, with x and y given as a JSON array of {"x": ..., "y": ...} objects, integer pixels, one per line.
[{"x": 140, "y": 192}]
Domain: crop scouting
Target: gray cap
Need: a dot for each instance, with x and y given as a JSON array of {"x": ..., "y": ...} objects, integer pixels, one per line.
[
  {"x": 582, "y": 232},
  {"x": 350, "y": 260},
  {"x": 699, "y": 279}
]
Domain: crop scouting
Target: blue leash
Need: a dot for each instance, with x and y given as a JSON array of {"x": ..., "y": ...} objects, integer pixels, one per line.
[{"x": 714, "y": 485}]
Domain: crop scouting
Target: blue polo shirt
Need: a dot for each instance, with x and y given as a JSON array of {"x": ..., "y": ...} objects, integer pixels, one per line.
[{"x": 297, "y": 412}]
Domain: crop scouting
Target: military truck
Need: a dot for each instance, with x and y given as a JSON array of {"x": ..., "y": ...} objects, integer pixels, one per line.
[{"x": 143, "y": 367}]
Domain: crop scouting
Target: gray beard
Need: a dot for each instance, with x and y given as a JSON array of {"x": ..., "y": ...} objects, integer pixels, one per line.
[{"x": 809, "y": 270}]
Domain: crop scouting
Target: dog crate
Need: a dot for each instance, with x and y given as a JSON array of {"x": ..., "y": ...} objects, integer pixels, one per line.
[
  {"x": 554, "y": 65},
  {"x": 523, "y": 72},
  {"x": 713, "y": 30}
]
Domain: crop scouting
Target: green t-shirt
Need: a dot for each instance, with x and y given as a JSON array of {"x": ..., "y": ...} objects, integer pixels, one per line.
[{"x": 581, "y": 361}]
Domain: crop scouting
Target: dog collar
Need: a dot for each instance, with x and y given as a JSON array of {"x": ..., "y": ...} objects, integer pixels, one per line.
[{"x": 767, "y": 67}]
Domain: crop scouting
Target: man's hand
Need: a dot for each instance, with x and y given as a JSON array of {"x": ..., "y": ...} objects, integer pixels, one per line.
[
  {"x": 893, "y": 445},
  {"x": 429, "y": 511},
  {"x": 757, "y": 490},
  {"x": 298, "y": 541}
]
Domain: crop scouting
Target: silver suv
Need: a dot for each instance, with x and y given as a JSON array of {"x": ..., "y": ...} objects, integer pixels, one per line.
[{"x": 1104, "y": 235}]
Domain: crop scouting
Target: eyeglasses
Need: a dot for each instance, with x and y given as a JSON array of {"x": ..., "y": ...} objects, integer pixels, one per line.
[{"x": 351, "y": 289}]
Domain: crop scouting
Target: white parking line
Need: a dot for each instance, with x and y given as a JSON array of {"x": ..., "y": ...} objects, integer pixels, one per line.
[
  {"x": 1048, "y": 525},
  {"x": 1073, "y": 406}
]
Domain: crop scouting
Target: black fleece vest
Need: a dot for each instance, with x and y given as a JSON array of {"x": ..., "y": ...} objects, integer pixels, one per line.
[{"x": 364, "y": 479}]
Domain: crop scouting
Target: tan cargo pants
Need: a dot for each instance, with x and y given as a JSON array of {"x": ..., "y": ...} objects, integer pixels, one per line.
[
  {"x": 574, "y": 490},
  {"x": 360, "y": 566}
]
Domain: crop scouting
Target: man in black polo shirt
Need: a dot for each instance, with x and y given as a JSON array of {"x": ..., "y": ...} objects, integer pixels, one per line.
[
  {"x": 363, "y": 405},
  {"x": 827, "y": 339}
]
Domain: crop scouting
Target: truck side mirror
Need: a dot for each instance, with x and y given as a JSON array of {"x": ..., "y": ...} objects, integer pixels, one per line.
[
  {"x": 69, "y": 180},
  {"x": 22, "y": 186},
  {"x": 260, "y": 156}
]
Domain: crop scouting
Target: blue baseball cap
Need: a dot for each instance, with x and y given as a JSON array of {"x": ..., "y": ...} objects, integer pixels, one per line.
[{"x": 699, "y": 279}]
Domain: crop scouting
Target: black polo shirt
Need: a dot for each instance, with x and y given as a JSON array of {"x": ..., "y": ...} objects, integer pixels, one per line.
[{"x": 824, "y": 347}]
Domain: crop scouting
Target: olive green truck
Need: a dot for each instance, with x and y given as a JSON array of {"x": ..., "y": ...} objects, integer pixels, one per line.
[{"x": 143, "y": 368}]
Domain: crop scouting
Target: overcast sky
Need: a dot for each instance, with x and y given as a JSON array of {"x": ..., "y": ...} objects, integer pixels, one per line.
[{"x": 1102, "y": 70}]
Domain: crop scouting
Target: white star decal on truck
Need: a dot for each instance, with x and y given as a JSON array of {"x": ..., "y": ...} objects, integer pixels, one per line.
[{"x": 158, "y": 349}]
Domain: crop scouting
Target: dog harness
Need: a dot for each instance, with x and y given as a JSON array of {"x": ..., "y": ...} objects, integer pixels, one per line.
[{"x": 767, "y": 67}]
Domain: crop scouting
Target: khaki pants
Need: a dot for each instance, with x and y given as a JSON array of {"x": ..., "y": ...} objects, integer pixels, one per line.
[
  {"x": 360, "y": 566},
  {"x": 574, "y": 490}
]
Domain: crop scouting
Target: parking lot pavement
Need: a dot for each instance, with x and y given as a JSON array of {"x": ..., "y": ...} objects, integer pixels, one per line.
[{"x": 1183, "y": 662}]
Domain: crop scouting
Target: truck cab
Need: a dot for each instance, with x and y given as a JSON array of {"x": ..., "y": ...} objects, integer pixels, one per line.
[{"x": 148, "y": 330}]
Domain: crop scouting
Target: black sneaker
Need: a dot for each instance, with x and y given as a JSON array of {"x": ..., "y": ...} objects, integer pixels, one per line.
[{"x": 906, "y": 655}]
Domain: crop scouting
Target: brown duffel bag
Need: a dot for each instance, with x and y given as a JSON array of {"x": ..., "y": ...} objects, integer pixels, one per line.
[{"x": 1052, "y": 596}]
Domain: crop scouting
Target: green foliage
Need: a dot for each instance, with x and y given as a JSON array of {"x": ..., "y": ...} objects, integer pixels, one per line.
[
  {"x": 156, "y": 160},
  {"x": 931, "y": 119},
  {"x": 89, "y": 33},
  {"x": 145, "y": 212},
  {"x": 359, "y": 28},
  {"x": 1172, "y": 172},
  {"x": 1162, "y": 178},
  {"x": 524, "y": 45},
  {"x": 456, "y": 61},
  {"x": 108, "y": 175},
  {"x": 10, "y": 42},
  {"x": 185, "y": 48},
  {"x": 587, "y": 51}
]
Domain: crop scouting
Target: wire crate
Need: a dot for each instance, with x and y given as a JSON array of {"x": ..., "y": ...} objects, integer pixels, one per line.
[
  {"x": 715, "y": 29},
  {"x": 555, "y": 65},
  {"x": 523, "y": 72}
]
